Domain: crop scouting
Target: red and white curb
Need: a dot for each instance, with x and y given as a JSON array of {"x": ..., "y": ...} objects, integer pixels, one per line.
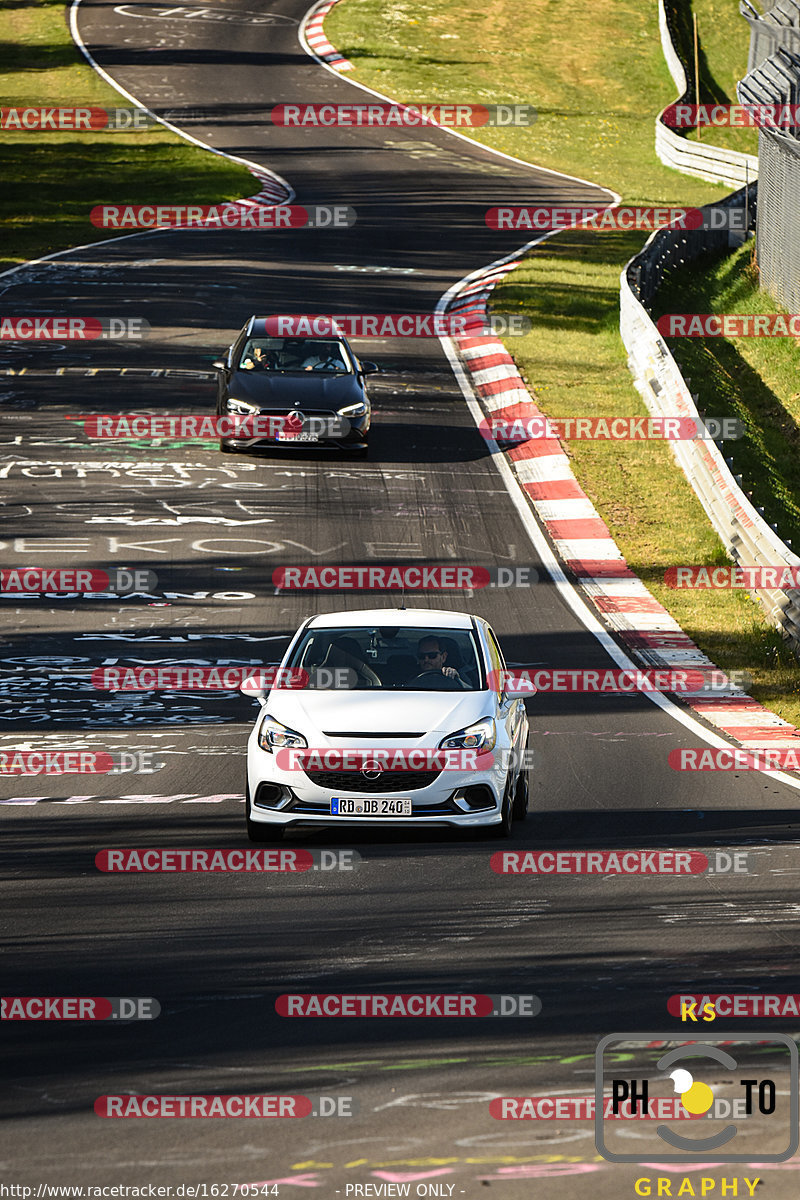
[
  {"x": 272, "y": 191},
  {"x": 584, "y": 544},
  {"x": 318, "y": 44}
]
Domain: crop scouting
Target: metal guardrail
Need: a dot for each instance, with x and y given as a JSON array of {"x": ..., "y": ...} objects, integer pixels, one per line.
[
  {"x": 695, "y": 158},
  {"x": 748, "y": 538}
]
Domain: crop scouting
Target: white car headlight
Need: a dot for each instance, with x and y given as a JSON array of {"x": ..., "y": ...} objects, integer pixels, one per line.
[
  {"x": 274, "y": 736},
  {"x": 353, "y": 410},
  {"x": 480, "y": 736},
  {"x": 241, "y": 406}
]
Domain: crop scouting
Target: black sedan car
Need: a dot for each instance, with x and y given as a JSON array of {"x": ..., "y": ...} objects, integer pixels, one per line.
[{"x": 298, "y": 391}]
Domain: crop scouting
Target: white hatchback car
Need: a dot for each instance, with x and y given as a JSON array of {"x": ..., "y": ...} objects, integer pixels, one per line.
[{"x": 423, "y": 688}]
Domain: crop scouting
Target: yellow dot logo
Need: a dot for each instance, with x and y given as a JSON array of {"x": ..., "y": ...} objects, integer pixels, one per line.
[{"x": 696, "y": 1098}]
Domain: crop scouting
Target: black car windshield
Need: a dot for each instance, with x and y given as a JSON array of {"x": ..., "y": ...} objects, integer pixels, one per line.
[
  {"x": 284, "y": 355},
  {"x": 398, "y": 657}
]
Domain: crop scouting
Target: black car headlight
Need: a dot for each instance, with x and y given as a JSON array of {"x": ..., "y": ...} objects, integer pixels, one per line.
[{"x": 360, "y": 409}]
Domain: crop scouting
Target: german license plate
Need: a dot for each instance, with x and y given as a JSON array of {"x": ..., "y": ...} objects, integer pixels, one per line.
[
  {"x": 372, "y": 806},
  {"x": 296, "y": 437}
]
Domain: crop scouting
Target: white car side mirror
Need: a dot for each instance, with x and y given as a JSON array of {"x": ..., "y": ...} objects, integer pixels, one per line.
[{"x": 520, "y": 693}]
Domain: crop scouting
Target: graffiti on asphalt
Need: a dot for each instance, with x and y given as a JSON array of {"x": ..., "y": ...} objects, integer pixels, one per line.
[{"x": 43, "y": 689}]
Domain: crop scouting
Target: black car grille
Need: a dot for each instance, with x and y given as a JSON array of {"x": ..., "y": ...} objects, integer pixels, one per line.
[
  {"x": 389, "y": 781},
  {"x": 360, "y": 733}
]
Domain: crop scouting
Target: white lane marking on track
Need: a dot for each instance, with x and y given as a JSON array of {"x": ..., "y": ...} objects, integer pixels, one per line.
[
  {"x": 178, "y": 798},
  {"x": 377, "y": 270},
  {"x": 208, "y": 13}
]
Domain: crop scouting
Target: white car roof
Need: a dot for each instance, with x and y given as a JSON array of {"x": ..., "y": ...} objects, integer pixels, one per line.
[{"x": 419, "y": 617}]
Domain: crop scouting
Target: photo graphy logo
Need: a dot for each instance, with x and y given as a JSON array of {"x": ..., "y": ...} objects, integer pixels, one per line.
[{"x": 753, "y": 1080}]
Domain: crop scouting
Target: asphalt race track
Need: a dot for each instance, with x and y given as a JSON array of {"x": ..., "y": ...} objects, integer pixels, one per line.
[{"x": 421, "y": 912}]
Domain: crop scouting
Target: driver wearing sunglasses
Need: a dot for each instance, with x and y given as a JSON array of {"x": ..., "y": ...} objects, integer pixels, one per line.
[{"x": 432, "y": 657}]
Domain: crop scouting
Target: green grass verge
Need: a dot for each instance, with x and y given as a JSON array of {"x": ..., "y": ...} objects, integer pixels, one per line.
[
  {"x": 597, "y": 77},
  {"x": 51, "y": 181}
]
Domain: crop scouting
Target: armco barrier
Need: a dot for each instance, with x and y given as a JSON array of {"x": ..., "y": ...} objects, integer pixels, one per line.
[
  {"x": 695, "y": 158},
  {"x": 747, "y": 537}
]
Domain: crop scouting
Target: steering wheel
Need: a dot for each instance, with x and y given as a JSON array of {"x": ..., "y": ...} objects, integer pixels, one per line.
[
  {"x": 443, "y": 683},
  {"x": 369, "y": 681}
]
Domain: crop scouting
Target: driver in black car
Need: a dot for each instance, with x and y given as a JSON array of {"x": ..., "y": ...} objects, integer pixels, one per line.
[{"x": 432, "y": 659}]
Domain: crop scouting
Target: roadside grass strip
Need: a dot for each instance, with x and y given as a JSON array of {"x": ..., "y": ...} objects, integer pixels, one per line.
[{"x": 51, "y": 180}]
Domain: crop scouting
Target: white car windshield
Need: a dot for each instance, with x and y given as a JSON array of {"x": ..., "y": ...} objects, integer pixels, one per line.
[{"x": 396, "y": 657}]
